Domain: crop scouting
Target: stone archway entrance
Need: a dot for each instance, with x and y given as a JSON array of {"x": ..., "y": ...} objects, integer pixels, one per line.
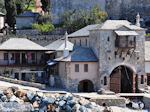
[
  {"x": 122, "y": 80},
  {"x": 85, "y": 86}
]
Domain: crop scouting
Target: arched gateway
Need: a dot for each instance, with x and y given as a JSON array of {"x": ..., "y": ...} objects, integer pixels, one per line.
[
  {"x": 122, "y": 80},
  {"x": 85, "y": 86}
]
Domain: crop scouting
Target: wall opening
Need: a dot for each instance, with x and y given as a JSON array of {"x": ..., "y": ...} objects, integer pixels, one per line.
[
  {"x": 122, "y": 80},
  {"x": 86, "y": 86}
]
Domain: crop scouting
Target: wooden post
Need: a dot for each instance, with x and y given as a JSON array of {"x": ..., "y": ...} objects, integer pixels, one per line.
[{"x": 134, "y": 83}]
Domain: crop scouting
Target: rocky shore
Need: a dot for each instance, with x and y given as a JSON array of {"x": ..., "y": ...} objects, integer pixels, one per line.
[{"x": 15, "y": 99}]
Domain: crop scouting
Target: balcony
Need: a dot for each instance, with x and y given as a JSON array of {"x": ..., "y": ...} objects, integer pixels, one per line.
[{"x": 21, "y": 63}]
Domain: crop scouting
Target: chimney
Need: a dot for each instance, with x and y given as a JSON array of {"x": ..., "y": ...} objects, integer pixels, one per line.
[
  {"x": 66, "y": 50},
  {"x": 138, "y": 20}
]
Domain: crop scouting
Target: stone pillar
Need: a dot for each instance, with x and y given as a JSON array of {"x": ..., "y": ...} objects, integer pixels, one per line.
[{"x": 20, "y": 76}]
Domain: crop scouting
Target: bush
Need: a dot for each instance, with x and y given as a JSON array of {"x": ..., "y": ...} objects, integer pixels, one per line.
[{"x": 44, "y": 27}]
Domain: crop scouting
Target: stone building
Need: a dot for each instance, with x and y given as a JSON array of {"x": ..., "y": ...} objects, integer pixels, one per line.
[
  {"x": 115, "y": 59},
  {"x": 81, "y": 37},
  {"x": 21, "y": 58}
]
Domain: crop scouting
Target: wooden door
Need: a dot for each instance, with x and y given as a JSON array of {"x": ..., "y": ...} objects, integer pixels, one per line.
[{"x": 115, "y": 82}]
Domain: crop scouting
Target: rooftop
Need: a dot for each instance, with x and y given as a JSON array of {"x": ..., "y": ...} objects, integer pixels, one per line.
[
  {"x": 116, "y": 24},
  {"x": 83, "y": 32},
  {"x": 59, "y": 45},
  {"x": 21, "y": 44},
  {"x": 80, "y": 54}
]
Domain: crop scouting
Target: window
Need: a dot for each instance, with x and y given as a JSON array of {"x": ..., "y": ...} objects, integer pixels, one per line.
[
  {"x": 108, "y": 39},
  {"x": 85, "y": 67},
  {"x": 5, "y": 56},
  {"x": 105, "y": 80},
  {"x": 142, "y": 79},
  {"x": 76, "y": 67},
  {"x": 33, "y": 56}
]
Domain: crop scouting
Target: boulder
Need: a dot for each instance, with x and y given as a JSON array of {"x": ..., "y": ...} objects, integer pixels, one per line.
[
  {"x": 76, "y": 108},
  {"x": 40, "y": 94},
  {"x": 30, "y": 95},
  {"x": 20, "y": 93},
  {"x": 82, "y": 109},
  {"x": 61, "y": 103},
  {"x": 83, "y": 101},
  {"x": 4, "y": 98},
  {"x": 49, "y": 100},
  {"x": 68, "y": 108},
  {"x": 8, "y": 92},
  {"x": 35, "y": 104},
  {"x": 14, "y": 89},
  {"x": 15, "y": 99},
  {"x": 91, "y": 105}
]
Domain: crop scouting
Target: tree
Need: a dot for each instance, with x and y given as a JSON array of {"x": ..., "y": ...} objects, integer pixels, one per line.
[
  {"x": 2, "y": 6},
  {"x": 45, "y": 5},
  {"x": 73, "y": 20},
  {"x": 44, "y": 27},
  {"x": 11, "y": 12},
  {"x": 20, "y": 5}
]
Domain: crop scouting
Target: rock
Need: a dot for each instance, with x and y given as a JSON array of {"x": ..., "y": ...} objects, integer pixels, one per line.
[
  {"x": 43, "y": 109},
  {"x": 73, "y": 101},
  {"x": 14, "y": 89},
  {"x": 91, "y": 105},
  {"x": 83, "y": 101},
  {"x": 50, "y": 100},
  {"x": 61, "y": 103},
  {"x": 8, "y": 93},
  {"x": 82, "y": 109},
  {"x": 30, "y": 95},
  {"x": 15, "y": 99},
  {"x": 76, "y": 108},
  {"x": 35, "y": 104},
  {"x": 21, "y": 93},
  {"x": 40, "y": 94},
  {"x": 24, "y": 98},
  {"x": 64, "y": 97},
  {"x": 4, "y": 98},
  {"x": 1, "y": 93},
  {"x": 68, "y": 108}
]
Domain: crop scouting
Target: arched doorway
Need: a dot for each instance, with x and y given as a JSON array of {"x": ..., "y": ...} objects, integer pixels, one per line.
[
  {"x": 122, "y": 80},
  {"x": 85, "y": 86}
]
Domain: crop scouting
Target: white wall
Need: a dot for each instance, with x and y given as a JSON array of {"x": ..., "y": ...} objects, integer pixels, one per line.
[{"x": 147, "y": 67}]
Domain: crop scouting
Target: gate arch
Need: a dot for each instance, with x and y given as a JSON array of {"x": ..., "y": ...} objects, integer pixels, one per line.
[
  {"x": 85, "y": 86},
  {"x": 122, "y": 80}
]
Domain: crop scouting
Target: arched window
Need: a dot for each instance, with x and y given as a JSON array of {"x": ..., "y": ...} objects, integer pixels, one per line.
[
  {"x": 142, "y": 79},
  {"x": 105, "y": 80}
]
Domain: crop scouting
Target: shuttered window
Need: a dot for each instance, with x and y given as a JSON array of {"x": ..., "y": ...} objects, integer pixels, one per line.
[{"x": 76, "y": 67}]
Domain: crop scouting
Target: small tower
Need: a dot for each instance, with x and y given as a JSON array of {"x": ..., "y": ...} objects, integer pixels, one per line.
[
  {"x": 138, "y": 20},
  {"x": 66, "y": 50}
]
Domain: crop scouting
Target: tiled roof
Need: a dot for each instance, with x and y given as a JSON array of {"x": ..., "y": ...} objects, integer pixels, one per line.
[
  {"x": 59, "y": 45},
  {"x": 116, "y": 24},
  {"x": 84, "y": 31},
  {"x": 80, "y": 54},
  {"x": 20, "y": 44}
]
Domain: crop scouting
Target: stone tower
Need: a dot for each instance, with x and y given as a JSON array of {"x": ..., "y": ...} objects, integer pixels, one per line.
[{"x": 119, "y": 47}]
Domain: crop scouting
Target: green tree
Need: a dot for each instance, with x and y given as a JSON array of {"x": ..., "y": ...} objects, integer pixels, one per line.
[
  {"x": 11, "y": 12},
  {"x": 44, "y": 27},
  {"x": 20, "y": 5},
  {"x": 74, "y": 20},
  {"x": 46, "y": 5},
  {"x": 2, "y": 6}
]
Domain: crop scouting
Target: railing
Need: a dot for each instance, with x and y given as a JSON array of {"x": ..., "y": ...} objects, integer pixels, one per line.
[
  {"x": 126, "y": 44},
  {"x": 21, "y": 63}
]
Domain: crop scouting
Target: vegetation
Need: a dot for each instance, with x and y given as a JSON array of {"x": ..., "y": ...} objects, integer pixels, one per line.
[
  {"x": 73, "y": 20},
  {"x": 11, "y": 12},
  {"x": 45, "y": 5},
  {"x": 20, "y": 6},
  {"x": 44, "y": 27},
  {"x": 147, "y": 34},
  {"x": 2, "y": 6},
  {"x": 30, "y": 5}
]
